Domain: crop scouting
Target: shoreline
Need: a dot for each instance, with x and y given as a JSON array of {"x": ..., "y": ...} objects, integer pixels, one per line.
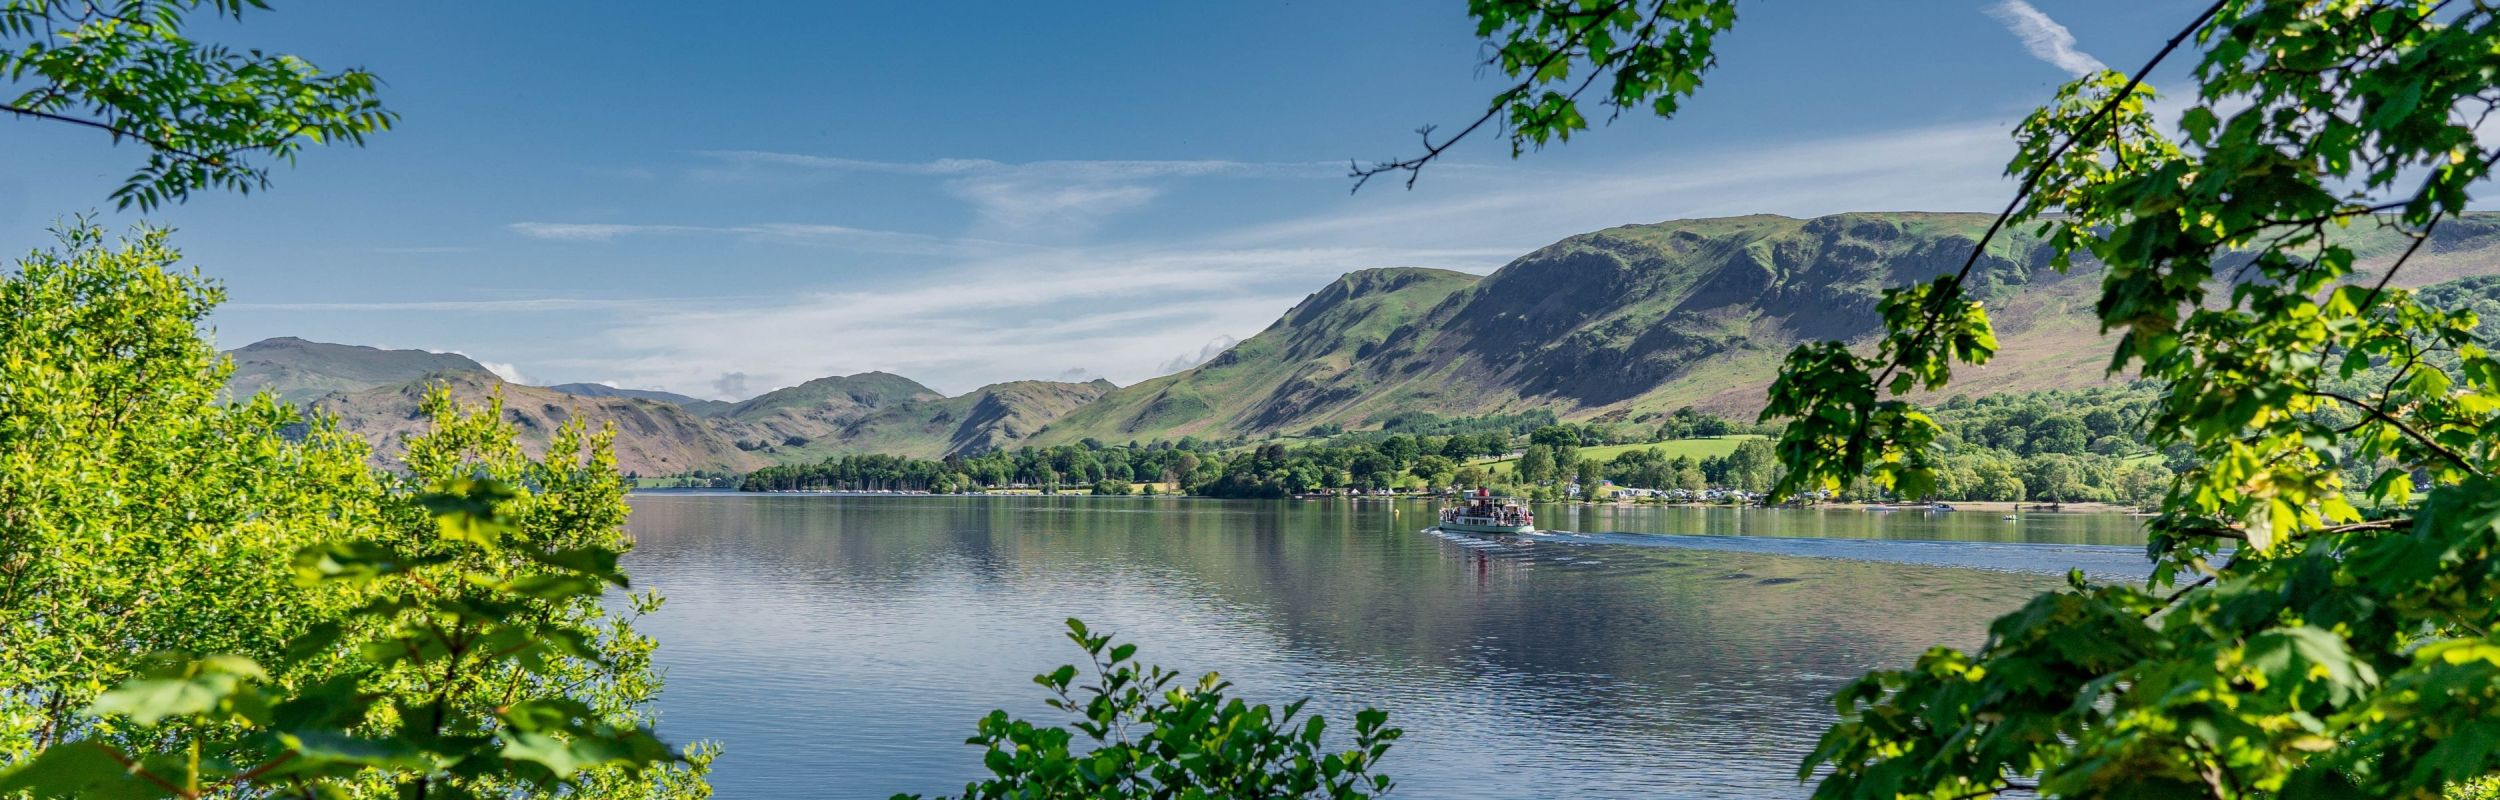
[{"x": 1959, "y": 506}]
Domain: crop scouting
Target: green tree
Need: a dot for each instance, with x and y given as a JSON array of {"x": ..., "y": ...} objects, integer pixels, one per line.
[
  {"x": 1536, "y": 465},
  {"x": 368, "y": 631},
  {"x": 2057, "y": 434},
  {"x": 212, "y": 117},
  {"x": 1435, "y": 470},
  {"x": 1688, "y": 475},
  {"x": 2290, "y": 643},
  {"x": 2055, "y": 477},
  {"x": 2142, "y": 485},
  {"x": 2103, "y": 422},
  {"x": 1998, "y": 479},
  {"x": 1752, "y": 467},
  {"x": 1555, "y": 436},
  {"x": 1401, "y": 450},
  {"x": 1141, "y": 731}
]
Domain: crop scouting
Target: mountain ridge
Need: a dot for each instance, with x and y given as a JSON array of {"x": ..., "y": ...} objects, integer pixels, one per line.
[
  {"x": 1630, "y": 322},
  {"x": 296, "y": 369},
  {"x": 376, "y": 393},
  {"x": 1621, "y": 324},
  {"x": 699, "y": 406}
]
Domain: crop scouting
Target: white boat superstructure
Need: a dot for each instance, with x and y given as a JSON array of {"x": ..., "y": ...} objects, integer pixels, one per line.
[{"x": 1481, "y": 512}]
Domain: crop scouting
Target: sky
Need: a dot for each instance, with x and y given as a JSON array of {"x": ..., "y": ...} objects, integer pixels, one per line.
[{"x": 721, "y": 202}]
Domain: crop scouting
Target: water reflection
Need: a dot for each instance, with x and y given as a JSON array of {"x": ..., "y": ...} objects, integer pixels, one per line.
[{"x": 842, "y": 647}]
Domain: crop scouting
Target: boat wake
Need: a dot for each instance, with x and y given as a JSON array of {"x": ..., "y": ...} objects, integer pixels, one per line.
[{"x": 2098, "y": 562}]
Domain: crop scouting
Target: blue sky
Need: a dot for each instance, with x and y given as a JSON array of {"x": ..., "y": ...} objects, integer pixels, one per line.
[{"x": 724, "y": 202}]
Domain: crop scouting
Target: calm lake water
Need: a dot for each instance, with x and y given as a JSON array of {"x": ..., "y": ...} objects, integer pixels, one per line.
[{"x": 843, "y": 646}]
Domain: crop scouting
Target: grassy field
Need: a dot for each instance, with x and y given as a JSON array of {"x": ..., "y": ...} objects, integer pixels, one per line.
[{"x": 1697, "y": 448}]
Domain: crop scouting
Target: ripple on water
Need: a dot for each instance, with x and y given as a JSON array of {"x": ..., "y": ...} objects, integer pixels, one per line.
[{"x": 843, "y": 647}]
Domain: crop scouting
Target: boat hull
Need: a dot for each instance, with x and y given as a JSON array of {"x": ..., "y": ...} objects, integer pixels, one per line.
[{"x": 1477, "y": 527}]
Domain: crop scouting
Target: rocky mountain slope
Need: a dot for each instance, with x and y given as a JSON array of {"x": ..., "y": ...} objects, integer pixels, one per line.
[
  {"x": 297, "y": 370},
  {"x": 883, "y": 413},
  {"x": 652, "y": 437},
  {"x": 1619, "y": 324},
  {"x": 699, "y": 406},
  {"x": 1637, "y": 320},
  {"x": 376, "y": 393}
]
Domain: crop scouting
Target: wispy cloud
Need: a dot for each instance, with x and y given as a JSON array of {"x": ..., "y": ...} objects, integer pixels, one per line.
[
  {"x": 1024, "y": 205},
  {"x": 502, "y": 369},
  {"x": 791, "y": 232},
  {"x": 521, "y": 305},
  {"x": 1107, "y": 169},
  {"x": 1059, "y": 197},
  {"x": 1940, "y": 168},
  {"x": 1111, "y": 311},
  {"x": 1124, "y": 309},
  {"x": 424, "y": 250},
  {"x": 1206, "y": 352},
  {"x": 2045, "y": 38},
  {"x": 590, "y": 232}
]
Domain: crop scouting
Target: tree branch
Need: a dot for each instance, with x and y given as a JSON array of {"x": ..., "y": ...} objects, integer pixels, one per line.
[
  {"x": 1952, "y": 290},
  {"x": 2010, "y": 786},
  {"x": 119, "y": 133},
  {"x": 2409, "y": 432},
  {"x": 256, "y": 772},
  {"x": 1414, "y": 167},
  {"x": 2031, "y": 183}
]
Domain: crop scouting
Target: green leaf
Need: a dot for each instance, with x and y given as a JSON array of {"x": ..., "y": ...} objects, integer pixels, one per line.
[
  {"x": 182, "y": 690},
  {"x": 594, "y": 562},
  {"x": 78, "y": 770},
  {"x": 353, "y": 561}
]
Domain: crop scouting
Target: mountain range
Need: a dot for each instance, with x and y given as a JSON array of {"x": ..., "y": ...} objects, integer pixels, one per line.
[
  {"x": 1616, "y": 325},
  {"x": 376, "y": 393}
]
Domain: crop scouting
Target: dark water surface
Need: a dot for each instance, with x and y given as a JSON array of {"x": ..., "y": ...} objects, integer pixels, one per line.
[{"x": 843, "y": 646}]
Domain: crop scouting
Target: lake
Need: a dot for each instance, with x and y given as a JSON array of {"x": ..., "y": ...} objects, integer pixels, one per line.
[{"x": 843, "y": 646}]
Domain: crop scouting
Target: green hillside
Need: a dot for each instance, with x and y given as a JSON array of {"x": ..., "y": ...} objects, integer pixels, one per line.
[
  {"x": 1630, "y": 322},
  {"x": 1295, "y": 368},
  {"x": 866, "y": 390},
  {"x": 994, "y": 417},
  {"x": 652, "y": 437},
  {"x": 375, "y": 393},
  {"x": 1696, "y": 449},
  {"x": 297, "y": 370},
  {"x": 698, "y": 406},
  {"x": 1619, "y": 325}
]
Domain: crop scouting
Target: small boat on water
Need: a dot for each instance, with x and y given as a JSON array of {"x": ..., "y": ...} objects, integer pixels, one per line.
[{"x": 1481, "y": 512}]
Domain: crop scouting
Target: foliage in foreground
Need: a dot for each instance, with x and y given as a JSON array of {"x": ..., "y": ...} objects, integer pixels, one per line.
[
  {"x": 210, "y": 116},
  {"x": 2304, "y": 635},
  {"x": 1141, "y": 731},
  {"x": 203, "y": 599}
]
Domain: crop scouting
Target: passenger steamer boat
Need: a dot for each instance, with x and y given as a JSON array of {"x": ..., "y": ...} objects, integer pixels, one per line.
[{"x": 1481, "y": 512}]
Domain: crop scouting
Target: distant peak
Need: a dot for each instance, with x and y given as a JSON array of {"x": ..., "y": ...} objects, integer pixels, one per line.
[
  {"x": 1377, "y": 281},
  {"x": 882, "y": 381},
  {"x": 1382, "y": 280},
  {"x": 1398, "y": 275},
  {"x": 294, "y": 343}
]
